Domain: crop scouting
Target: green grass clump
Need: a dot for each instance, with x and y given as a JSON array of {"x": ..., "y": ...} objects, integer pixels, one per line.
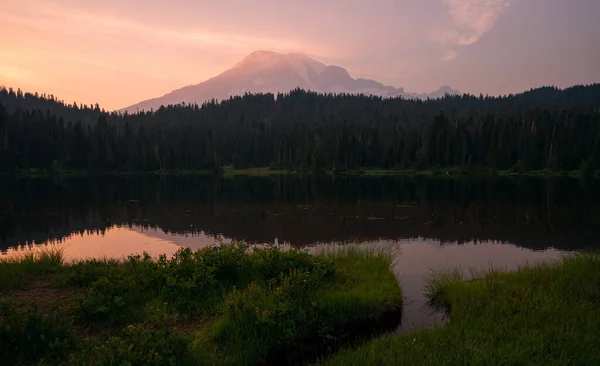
[
  {"x": 119, "y": 292},
  {"x": 302, "y": 308},
  {"x": 228, "y": 304},
  {"x": 16, "y": 270},
  {"x": 543, "y": 315}
]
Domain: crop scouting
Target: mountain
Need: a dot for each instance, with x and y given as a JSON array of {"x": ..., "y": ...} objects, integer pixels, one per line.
[{"x": 272, "y": 72}]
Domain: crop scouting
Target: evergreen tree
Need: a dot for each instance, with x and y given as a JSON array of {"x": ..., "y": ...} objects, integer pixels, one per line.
[{"x": 545, "y": 128}]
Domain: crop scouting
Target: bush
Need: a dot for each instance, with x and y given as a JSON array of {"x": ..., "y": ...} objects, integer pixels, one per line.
[
  {"x": 300, "y": 303},
  {"x": 245, "y": 306},
  {"x": 28, "y": 337},
  {"x": 141, "y": 346}
]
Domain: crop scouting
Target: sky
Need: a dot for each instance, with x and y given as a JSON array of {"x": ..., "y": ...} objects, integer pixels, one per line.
[{"x": 119, "y": 52}]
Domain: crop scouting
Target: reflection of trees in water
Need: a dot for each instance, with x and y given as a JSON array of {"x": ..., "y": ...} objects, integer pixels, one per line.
[{"x": 531, "y": 213}]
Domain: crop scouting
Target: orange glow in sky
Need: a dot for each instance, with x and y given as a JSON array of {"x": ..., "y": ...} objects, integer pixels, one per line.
[
  {"x": 90, "y": 56},
  {"x": 120, "y": 52}
]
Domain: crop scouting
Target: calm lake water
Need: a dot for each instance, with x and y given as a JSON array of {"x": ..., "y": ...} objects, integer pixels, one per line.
[{"x": 432, "y": 223}]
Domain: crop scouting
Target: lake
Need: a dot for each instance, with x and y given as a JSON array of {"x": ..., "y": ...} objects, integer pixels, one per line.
[{"x": 431, "y": 223}]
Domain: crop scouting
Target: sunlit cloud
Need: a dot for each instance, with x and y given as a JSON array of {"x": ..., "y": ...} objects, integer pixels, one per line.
[{"x": 471, "y": 20}]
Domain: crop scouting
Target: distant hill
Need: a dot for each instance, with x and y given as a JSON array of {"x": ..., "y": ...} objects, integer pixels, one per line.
[
  {"x": 13, "y": 100},
  {"x": 272, "y": 72}
]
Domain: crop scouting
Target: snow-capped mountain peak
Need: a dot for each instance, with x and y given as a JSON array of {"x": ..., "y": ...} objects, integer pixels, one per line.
[{"x": 273, "y": 72}]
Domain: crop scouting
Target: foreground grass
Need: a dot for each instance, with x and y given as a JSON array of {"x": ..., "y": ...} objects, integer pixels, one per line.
[
  {"x": 14, "y": 270},
  {"x": 221, "y": 305},
  {"x": 545, "y": 315}
]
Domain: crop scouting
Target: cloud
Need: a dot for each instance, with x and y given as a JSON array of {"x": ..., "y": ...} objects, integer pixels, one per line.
[
  {"x": 449, "y": 55},
  {"x": 471, "y": 19},
  {"x": 51, "y": 17}
]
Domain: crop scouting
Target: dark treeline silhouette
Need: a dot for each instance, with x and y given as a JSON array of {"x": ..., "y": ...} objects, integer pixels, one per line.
[
  {"x": 546, "y": 128},
  {"x": 303, "y": 210}
]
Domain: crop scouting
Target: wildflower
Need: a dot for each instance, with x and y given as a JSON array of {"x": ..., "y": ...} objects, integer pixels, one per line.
[
  {"x": 165, "y": 303},
  {"x": 155, "y": 354},
  {"x": 131, "y": 326}
]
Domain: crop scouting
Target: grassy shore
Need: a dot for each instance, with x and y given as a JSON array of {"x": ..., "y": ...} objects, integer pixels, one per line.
[
  {"x": 230, "y": 304},
  {"x": 544, "y": 315},
  {"x": 458, "y": 172},
  {"x": 230, "y": 171}
]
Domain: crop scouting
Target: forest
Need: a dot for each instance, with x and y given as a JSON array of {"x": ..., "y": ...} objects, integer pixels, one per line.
[{"x": 542, "y": 129}]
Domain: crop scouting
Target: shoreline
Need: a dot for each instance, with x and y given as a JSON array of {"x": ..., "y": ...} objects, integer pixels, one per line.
[
  {"x": 544, "y": 314},
  {"x": 500, "y": 312},
  {"x": 230, "y": 304},
  {"x": 229, "y": 172}
]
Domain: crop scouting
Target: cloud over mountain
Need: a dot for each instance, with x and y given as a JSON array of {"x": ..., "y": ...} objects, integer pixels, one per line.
[{"x": 471, "y": 19}]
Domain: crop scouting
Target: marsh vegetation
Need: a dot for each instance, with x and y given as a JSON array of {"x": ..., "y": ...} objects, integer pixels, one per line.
[
  {"x": 228, "y": 304},
  {"x": 541, "y": 315}
]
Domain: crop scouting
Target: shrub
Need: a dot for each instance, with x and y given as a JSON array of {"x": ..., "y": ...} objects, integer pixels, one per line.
[
  {"x": 141, "y": 346},
  {"x": 27, "y": 337}
]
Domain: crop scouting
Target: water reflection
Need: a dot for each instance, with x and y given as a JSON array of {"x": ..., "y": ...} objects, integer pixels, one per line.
[
  {"x": 530, "y": 213},
  {"x": 435, "y": 223},
  {"x": 414, "y": 259},
  {"x": 417, "y": 259},
  {"x": 110, "y": 243}
]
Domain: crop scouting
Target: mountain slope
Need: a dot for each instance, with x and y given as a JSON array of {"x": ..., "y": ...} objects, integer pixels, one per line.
[{"x": 272, "y": 72}]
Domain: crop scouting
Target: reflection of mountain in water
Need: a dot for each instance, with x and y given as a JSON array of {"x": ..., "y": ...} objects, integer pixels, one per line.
[{"x": 303, "y": 210}]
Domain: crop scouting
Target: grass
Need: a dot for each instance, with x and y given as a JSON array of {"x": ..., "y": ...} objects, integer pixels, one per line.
[
  {"x": 544, "y": 315},
  {"x": 237, "y": 305},
  {"x": 15, "y": 270},
  {"x": 31, "y": 337},
  {"x": 457, "y": 171},
  {"x": 230, "y": 304},
  {"x": 290, "y": 311},
  {"x": 230, "y": 171}
]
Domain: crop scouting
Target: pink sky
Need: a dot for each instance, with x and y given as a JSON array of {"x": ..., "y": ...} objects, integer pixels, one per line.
[{"x": 118, "y": 53}]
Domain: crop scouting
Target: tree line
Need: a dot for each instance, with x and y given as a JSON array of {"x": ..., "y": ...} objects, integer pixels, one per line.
[{"x": 546, "y": 128}]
